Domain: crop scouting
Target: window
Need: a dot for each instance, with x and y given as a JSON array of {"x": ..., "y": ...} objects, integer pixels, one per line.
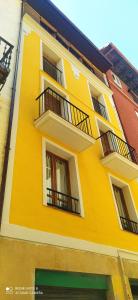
[
  {"x": 57, "y": 174},
  {"x": 125, "y": 205},
  {"x": 120, "y": 200},
  {"x": 59, "y": 187},
  {"x": 136, "y": 113},
  {"x": 98, "y": 102},
  {"x": 52, "y": 64},
  {"x": 116, "y": 80}
]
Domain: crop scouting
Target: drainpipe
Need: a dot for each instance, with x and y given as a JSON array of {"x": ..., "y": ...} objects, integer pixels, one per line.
[
  {"x": 127, "y": 291},
  {"x": 8, "y": 140}
]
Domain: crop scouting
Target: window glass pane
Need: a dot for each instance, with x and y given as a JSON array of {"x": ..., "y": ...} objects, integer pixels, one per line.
[
  {"x": 118, "y": 197},
  {"x": 48, "y": 172},
  {"x": 61, "y": 176}
]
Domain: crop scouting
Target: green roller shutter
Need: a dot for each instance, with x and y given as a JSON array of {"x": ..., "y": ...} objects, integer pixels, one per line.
[
  {"x": 69, "y": 285},
  {"x": 71, "y": 279}
]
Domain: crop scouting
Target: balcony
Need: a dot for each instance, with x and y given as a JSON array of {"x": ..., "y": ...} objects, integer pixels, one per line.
[
  {"x": 99, "y": 108},
  {"x": 62, "y": 201},
  {"x": 5, "y": 59},
  {"x": 129, "y": 225},
  {"x": 64, "y": 121},
  {"x": 119, "y": 156},
  {"x": 52, "y": 70}
]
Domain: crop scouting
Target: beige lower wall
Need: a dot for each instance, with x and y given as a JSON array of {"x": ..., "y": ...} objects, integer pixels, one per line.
[
  {"x": 19, "y": 259},
  {"x": 131, "y": 268}
]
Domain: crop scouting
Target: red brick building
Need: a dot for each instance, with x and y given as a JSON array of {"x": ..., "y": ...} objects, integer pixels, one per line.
[{"x": 123, "y": 80}]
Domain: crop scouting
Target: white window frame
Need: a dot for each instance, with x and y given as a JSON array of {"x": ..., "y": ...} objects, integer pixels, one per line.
[
  {"x": 66, "y": 154},
  {"x": 116, "y": 80},
  {"x": 60, "y": 62},
  {"x": 103, "y": 100},
  {"x": 123, "y": 185},
  {"x": 136, "y": 113}
]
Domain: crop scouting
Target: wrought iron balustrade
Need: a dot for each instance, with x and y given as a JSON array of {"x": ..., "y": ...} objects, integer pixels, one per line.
[
  {"x": 5, "y": 59},
  {"x": 62, "y": 201},
  {"x": 99, "y": 108},
  {"x": 112, "y": 143},
  {"x": 50, "y": 100},
  {"x": 52, "y": 70},
  {"x": 129, "y": 225}
]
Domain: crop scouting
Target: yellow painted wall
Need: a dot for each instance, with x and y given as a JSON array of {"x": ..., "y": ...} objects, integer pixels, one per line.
[{"x": 100, "y": 223}]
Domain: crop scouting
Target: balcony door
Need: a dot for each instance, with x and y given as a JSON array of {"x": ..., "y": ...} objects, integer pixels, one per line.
[
  {"x": 52, "y": 102},
  {"x": 121, "y": 203},
  {"x": 57, "y": 180},
  {"x": 105, "y": 143}
]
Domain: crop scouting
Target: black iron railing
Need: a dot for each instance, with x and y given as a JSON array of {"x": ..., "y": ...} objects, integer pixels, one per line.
[
  {"x": 62, "y": 201},
  {"x": 99, "y": 108},
  {"x": 50, "y": 100},
  {"x": 129, "y": 225},
  {"x": 52, "y": 70},
  {"x": 112, "y": 143},
  {"x": 5, "y": 59}
]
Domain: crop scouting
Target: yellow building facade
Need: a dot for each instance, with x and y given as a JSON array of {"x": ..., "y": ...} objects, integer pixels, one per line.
[{"x": 68, "y": 163}]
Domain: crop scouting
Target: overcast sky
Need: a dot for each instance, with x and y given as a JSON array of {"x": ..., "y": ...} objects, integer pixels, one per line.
[{"x": 105, "y": 21}]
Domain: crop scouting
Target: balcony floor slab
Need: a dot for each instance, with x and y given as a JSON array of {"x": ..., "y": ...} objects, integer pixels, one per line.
[
  {"x": 57, "y": 127},
  {"x": 121, "y": 165}
]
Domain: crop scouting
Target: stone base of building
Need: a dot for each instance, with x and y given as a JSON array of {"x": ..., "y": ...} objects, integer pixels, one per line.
[{"x": 20, "y": 261}]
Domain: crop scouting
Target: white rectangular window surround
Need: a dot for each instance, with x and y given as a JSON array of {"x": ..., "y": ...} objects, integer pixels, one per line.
[
  {"x": 116, "y": 80},
  {"x": 128, "y": 198},
  {"x": 93, "y": 92},
  {"x": 136, "y": 113},
  {"x": 50, "y": 146},
  {"x": 52, "y": 59}
]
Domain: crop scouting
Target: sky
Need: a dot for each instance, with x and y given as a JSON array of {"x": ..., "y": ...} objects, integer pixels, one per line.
[{"x": 105, "y": 21}]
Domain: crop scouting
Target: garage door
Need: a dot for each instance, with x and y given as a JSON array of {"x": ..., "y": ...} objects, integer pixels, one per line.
[
  {"x": 134, "y": 288},
  {"x": 71, "y": 286},
  {"x": 54, "y": 293}
]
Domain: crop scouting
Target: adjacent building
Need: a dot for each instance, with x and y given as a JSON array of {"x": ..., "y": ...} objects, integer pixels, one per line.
[
  {"x": 69, "y": 226},
  {"x": 10, "y": 12},
  {"x": 123, "y": 80}
]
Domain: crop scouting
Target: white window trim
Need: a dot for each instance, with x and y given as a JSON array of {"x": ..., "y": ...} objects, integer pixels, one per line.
[
  {"x": 116, "y": 79},
  {"x": 106, "y": 107},
  {"x": 111, "y": 177},
  {"x": 64, "y": 83},
  {"x": 136, "y": 112},
  {"x": 45, "y": 141}
]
